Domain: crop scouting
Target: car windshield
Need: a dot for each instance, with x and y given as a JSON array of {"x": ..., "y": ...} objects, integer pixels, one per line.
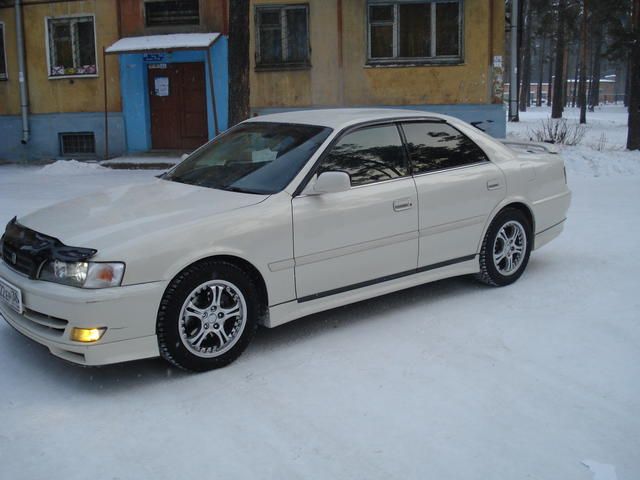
[{"x": 254, "y": 157}]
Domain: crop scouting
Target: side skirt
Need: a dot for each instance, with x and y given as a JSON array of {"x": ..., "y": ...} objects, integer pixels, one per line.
[{"x": 319, "y": 302}]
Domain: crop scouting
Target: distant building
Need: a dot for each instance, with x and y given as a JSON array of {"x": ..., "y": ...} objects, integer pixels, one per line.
[
  {"x": 608, "y": 90},
  {"x": 164, "y": 65}
]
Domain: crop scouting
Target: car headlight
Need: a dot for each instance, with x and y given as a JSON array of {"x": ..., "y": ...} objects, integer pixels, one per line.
[{"x": 83, "y": 274}]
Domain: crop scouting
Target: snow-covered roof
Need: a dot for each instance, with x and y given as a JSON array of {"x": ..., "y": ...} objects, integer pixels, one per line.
[
  {"x": 343, "y": 117},
  {"x": 154, "y": 43}
]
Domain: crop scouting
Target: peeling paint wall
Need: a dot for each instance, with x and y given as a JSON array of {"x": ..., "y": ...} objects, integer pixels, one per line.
[
  {"x": 330, "y": 82},
  {"x": 60, "y": 95}
]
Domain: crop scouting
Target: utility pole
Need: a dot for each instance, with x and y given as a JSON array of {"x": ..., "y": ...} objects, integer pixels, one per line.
[
  {"x": 513, "y": 74},
  {"x": 557, "y": 105},
  {"x": 582, "y": 92},
  {"x": 633, "y": 138}
]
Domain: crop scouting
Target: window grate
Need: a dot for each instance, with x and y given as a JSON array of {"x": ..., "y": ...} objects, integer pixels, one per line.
[
  {"x": 171, "y": 12},
  {"x": 72, "y": 49},
  {"x": 77, "y": 143}
]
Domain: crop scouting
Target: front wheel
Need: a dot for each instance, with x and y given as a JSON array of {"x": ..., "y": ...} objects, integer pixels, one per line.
[
  {"x": 505, "y": 249},
  {"x": 208, "y": 315}
]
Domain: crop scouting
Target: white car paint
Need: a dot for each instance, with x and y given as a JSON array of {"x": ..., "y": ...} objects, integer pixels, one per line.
[{"x": 310, "y": 250}]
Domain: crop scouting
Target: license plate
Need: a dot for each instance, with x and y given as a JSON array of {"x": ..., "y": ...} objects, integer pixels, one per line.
[{"x": 11, "y": 295}]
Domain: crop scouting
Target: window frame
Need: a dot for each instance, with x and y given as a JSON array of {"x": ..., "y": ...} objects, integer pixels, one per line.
[
  {"x": 47, "y": 19},
  {"x": 4, "y": 52},
  {"x": 346, "y": 131},
  {"x": 170, "y": 26},
  {"x": 444, "y": 169},
  {"x": 396, "y": 60},
  {"x": 282, "y": 9}
]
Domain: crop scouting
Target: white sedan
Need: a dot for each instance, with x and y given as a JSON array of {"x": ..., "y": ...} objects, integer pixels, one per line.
[{"x": 280, "y": 217}]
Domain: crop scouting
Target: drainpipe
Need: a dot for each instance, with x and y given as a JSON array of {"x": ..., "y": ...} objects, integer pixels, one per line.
[
  {"x": 24, "y": 97},
  {"x": 513, "y": 80}
]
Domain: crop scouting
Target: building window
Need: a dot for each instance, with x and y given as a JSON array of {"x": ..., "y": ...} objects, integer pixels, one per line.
[
  {"x": 3, "y": 56},
  {"x": 159, "y": 13},
  {"x": 415, "y": 32},
  {"x": 77, "y": 143},
  {"x": 72, "y": 46},
  {"x": 283, "y": 36}
]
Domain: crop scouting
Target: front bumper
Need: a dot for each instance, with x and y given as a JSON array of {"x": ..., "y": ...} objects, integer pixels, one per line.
[{"x": 52, "y": 310}]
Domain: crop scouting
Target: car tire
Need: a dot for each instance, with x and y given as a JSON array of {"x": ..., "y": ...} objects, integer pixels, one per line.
[
  {"x": 207, "y": 316},
  {"x": 506, "y": 248}
]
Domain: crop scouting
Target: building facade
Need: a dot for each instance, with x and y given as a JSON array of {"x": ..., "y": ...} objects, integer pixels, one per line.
[
  {"x": 65, "y": 77},
  {"x": 173, "y": 72},
  {"x": 110, "y": 77},
  {"x": 439, "y": 55}
]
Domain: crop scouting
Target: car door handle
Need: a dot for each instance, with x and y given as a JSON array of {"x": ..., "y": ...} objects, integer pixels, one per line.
[
  {"x": 402, "y": 204},
  {"x": 494, "y": 185}
]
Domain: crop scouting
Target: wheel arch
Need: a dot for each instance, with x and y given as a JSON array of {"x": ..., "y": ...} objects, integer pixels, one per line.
[
  {"x": 248, "y": 268},
  {"x": 518, "y": 204}
]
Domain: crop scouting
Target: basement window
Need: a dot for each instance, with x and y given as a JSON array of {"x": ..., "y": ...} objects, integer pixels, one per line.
[
  {"x": 82, "y": 144},
  {"x": 3, "y": 56},
  {"x": 283, "y": 36},
  {"x": 159, "y": 13},
  {"x": 72, "y": 46},
  {"x": 428, "y": 32}
]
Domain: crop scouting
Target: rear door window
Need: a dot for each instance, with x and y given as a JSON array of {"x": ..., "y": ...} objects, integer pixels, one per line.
[{"x": 437, "y": 146}]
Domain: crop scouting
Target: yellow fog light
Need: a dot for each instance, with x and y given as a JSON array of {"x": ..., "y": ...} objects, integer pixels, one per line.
[{"x": 87, "y": 335}]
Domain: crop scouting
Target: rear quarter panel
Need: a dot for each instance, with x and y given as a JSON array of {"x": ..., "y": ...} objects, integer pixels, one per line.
[{"x": 536, "y": 180}]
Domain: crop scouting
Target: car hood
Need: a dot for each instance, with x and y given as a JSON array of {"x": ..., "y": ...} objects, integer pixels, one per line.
[{"x": 121, "y": 214}]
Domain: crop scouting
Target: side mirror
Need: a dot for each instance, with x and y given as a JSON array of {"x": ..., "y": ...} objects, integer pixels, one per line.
[{"x": 329, "y": 182}]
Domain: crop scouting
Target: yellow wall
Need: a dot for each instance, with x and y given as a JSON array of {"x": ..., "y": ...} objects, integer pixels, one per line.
[
  {"x": 355, "y": 83},
  {"x": 60, "y": 95}
]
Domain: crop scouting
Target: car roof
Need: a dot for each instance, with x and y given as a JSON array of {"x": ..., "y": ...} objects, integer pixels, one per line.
[{"x": 339, "y": 118}]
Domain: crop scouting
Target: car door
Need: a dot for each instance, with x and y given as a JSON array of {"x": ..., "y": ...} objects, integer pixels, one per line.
[
  {"x": 458, "y": 188},
  {"x": 349, "y": 239}
]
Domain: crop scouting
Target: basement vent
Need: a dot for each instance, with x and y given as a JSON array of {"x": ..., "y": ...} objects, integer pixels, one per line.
[{"x": 77, "y": 143}]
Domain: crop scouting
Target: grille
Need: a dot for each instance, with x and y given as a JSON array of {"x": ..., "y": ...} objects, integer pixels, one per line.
[
  {"x": 82, "y": 143},
  {"x": 19, "y": 261}
]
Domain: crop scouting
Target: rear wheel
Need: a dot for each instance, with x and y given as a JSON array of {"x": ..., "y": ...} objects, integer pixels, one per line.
[
  {"x": 505, "y": 249},
  {"x": 208, "y": 315}
]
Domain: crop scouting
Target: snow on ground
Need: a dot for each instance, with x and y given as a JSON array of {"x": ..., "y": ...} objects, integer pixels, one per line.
[
  {"x": 601, "y": 152},
  {"x": 451, "y": 380}
]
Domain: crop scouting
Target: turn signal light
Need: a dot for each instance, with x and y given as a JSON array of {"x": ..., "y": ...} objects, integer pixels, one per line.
[{"x": 87, "y": 335}]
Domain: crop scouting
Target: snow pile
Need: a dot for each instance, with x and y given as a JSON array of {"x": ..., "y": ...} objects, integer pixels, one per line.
[
  {"x": 70, "y": 167},
  {"x": 144, "y": 160}
]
